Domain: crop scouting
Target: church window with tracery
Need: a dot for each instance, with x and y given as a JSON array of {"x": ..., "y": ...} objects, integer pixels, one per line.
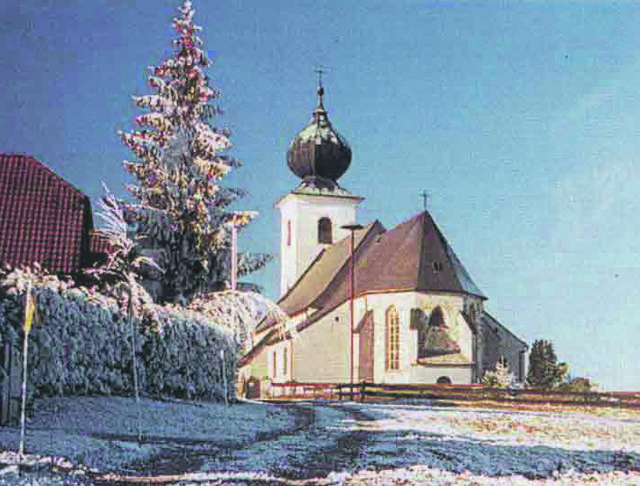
[
  {"x": 392, "y": 326},
  {"x": 325, "y": 231}
]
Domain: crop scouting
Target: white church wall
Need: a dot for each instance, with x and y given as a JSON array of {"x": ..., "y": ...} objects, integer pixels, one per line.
[
  {"x": 422, "y": 374},
  {"x": 409, "y": 371},
  {"x": 465, "y": 337},
  {"x": 279, "y": 362},
  {"x": 379, "y": 303},
  {"x": 302, "y": 213},
  {"x": 321, "y": 353}
]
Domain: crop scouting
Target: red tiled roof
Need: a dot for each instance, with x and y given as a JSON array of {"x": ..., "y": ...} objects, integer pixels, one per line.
[
  {"x": 99, "y": 243},
  {"x": 43, "y": 218}
]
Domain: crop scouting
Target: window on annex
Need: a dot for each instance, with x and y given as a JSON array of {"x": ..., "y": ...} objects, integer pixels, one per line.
[
  {"x": 325, "y": 231},
  {"x": 392, "y": 334}
]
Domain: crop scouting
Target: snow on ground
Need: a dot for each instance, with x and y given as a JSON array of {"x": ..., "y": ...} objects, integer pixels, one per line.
[
  {"x": 100, "y": 433},
  {"x": 496, "y": 442},
  {"x": 328, "y": 443},
  {"x": 410, "y": 444}
]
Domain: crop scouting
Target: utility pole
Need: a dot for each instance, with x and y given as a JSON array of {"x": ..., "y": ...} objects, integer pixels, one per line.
[
  {"x": 352, "y": 228},
  {"x": 234, "y": 258}
]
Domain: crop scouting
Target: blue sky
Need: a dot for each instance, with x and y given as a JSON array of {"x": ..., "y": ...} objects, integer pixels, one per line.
[{"x": 521, "y": 119}]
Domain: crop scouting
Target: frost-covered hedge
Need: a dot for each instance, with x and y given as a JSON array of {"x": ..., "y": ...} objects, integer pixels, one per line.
[{"x": 82, "y": 346}]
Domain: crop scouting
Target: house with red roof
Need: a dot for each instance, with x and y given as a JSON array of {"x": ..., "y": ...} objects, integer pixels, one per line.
[
  {"x": 366, "y": 303},
  {"x": 44, "y": 219}
]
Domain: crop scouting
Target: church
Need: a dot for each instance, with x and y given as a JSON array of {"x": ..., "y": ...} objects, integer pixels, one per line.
[{"x": 366, "y": 303}]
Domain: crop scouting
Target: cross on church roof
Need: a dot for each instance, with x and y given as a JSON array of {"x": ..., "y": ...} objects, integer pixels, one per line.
[{"x": 425, "y": 196}]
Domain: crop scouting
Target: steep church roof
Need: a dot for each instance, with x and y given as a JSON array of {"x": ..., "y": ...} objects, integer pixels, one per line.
[{"x": 413, "y": 256}]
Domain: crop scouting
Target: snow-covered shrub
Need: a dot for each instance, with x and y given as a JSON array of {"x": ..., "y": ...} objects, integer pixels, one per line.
[
  {"x": 500, "y": 378},
  {"x": 81, "y": 345}
]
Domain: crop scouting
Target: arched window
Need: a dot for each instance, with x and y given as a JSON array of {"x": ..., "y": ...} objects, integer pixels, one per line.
[
  {"x": 437, "y": 318},
  {"x": 444, "y": 380},
  {"x": 325, "y": 232},
  {"x": 429, "y": 329},
  {"x": 392, "y": 332},
  {"x": 504, "y": 362}
]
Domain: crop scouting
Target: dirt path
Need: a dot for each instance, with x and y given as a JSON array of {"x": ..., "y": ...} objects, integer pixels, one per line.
[{"x": 305, "y": 454}]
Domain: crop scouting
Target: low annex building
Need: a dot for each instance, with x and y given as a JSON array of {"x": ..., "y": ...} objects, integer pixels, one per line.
[{"x": 418, "y": 317}]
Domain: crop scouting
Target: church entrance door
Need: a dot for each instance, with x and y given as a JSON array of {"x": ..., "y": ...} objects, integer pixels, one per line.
[{"x": 366, "y": 351}]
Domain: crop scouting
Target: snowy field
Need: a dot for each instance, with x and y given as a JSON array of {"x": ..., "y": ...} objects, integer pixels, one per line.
[
  {"x": 97, "y": 434},
  {"x": 329, "y": 443}
]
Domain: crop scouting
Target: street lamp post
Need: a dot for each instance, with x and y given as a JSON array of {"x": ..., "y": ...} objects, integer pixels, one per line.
[{"x": 352, "y": 228}]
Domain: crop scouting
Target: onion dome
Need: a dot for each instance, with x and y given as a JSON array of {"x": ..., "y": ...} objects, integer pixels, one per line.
[{"x": 318, "y": 151}]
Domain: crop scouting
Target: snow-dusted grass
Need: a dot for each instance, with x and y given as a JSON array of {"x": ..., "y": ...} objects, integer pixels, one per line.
[
  {"x": 100, "y": 433},
  {"x": 426, "y": 445},
  {"x": 497, "y": 443},
  {"x": 346, "y": 443}
]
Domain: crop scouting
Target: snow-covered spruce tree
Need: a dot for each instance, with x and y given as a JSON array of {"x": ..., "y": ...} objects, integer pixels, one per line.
[{"x": 180, "y": 209}]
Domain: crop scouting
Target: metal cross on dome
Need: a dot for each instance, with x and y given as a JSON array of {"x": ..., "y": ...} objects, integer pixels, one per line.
[{"x": 320, "y": 70}]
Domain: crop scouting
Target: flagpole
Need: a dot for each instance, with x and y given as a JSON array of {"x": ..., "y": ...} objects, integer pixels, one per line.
[{"x": 28, "y": 318}]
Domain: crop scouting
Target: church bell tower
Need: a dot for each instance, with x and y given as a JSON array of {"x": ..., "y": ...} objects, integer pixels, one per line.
[{"x": 312, "y": 215}]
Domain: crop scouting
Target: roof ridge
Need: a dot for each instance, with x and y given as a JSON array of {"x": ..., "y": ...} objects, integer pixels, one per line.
[
  {"x": 455, "y": 263},
  {"x": 367, "y": 230},
  {"x": 39, "y": 164},
  {"x": 484, "y": 312}
]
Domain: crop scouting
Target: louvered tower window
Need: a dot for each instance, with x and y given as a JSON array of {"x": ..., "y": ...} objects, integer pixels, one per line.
[
  {"x": 325, "y": 233},
  {"x": 392, "y": 327}
]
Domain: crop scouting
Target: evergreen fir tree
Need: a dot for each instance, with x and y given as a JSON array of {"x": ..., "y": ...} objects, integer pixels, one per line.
[
  {"x": 544, "y": 369},
  {"x": 180, "y": 210}
]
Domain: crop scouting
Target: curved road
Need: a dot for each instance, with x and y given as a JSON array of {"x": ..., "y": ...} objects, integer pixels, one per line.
[{"x": 323, "y": 440}]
